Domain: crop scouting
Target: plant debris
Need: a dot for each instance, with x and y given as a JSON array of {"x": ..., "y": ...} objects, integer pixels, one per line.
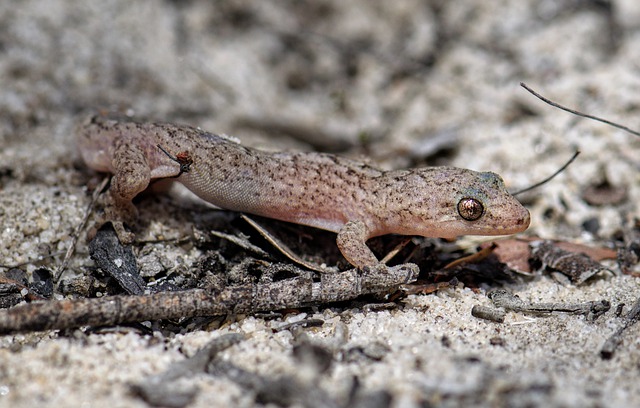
[
  {"x": 504, "y": 299},
  {"x": 305, "y": 289},
  {"x": 577, "y": 267},
  {"x": 163, "y": 390},
  {"x": 116, "y": 260}
]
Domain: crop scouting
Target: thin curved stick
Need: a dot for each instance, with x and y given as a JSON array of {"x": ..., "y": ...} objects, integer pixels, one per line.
[
  {"x": 560, "y": 170},
  {"x": 575, "y": 112}
]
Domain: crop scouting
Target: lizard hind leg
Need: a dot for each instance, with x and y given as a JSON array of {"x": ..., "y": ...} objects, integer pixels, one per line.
[
  {"x": 119, "y": 213},
  {"x": 132, "y": 175},
  {"x": 131, "y": 171}
]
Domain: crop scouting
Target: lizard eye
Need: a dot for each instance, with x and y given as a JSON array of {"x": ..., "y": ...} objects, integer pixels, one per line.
[{"x": 470, "y": 209}]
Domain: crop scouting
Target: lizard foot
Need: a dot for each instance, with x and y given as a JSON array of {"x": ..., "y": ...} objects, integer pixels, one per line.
[{"x": 382, "y": 278}]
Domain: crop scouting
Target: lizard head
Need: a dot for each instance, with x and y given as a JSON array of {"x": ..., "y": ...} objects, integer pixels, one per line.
[
  {"x": 447, "y": 202},
  {"x": 483, "y": 206}
]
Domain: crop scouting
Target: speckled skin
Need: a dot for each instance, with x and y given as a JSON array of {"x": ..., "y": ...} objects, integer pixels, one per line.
[{"x": 320, "y": 190}]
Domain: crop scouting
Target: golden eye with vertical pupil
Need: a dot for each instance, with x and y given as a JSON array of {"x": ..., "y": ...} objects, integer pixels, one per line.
[{"x": 470, "y": 208}]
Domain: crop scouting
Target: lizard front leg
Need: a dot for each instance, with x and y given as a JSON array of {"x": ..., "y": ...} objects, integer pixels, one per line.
[{"x": 352, "y": 242}]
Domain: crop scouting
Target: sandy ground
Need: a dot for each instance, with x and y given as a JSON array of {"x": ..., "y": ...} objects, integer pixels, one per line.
[{"x": 395, "y": 74}]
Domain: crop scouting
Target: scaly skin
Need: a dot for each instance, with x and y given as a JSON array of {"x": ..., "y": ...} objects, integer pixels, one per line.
[{"x": 320, "y": 190}]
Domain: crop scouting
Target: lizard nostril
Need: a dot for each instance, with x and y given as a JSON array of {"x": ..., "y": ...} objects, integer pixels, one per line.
[{"x": 525, "y": 219}]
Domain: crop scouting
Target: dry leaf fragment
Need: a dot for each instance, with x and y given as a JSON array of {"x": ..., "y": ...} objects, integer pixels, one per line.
[{"x": 578, "y": 267}]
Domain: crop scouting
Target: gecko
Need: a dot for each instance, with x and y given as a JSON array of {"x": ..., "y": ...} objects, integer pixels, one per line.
[{"x": 333, "y": 193}]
